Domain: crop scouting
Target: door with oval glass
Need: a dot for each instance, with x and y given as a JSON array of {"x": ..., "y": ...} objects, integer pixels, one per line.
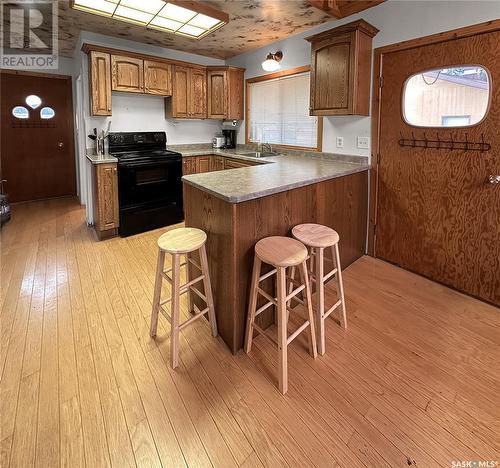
[
  {"x": 437, "y": 209},
  {"x": 37, "y": 142}
]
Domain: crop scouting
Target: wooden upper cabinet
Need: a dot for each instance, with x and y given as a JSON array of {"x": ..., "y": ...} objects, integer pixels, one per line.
[
  {"x": 189, "y": 96},
  {"x": 180, "y": 103},
  {"x": 127, "y": 74},
  {"x": 198, "y": 92},
  {"x": 225, "y": 93},
  {"x": 217, "y": 94},
  {"x": 100, "y": 83},
  {"x": 157, "y": 78},
  {"x": 340, "y": 70}
]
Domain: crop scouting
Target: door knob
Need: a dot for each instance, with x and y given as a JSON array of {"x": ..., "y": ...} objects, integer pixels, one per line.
[
  {"x": 60, "y": 144},
  {"x": 494, "y": 179}
]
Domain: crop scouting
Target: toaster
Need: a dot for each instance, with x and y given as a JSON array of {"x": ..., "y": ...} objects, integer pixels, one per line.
[{"x": 218, "y": 142}]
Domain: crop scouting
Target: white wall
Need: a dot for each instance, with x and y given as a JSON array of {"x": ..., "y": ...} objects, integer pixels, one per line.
[
  {"x": 143, "y": 113},
  {"x": 397, "y": 20}
]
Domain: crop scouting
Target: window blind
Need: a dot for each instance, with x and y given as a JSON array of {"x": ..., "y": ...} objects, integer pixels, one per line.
[{"x": 279, "y": 112}]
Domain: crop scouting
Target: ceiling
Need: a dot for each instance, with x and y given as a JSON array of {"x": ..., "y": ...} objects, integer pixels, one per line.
[{"x": 252, "y": 24}]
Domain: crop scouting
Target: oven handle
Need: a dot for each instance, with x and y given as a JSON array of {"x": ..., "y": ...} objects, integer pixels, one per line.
[{"x": 149, "y": 164}]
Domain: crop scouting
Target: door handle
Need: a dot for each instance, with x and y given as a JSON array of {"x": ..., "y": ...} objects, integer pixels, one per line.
[
  {"x": 60, "y": 144},
  {"x": 494, "y": 179}
]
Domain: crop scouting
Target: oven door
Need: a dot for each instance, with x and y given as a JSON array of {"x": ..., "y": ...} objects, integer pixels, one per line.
[{"x": 150, "y": 183}]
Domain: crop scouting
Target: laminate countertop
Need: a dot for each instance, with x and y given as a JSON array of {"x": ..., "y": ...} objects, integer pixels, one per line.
[
  {"x": 100, "y": 159},
  {"x": 272, "y": 175}
]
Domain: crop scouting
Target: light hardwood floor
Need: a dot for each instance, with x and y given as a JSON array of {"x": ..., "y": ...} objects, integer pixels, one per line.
[{"x": 413, "y": 381}]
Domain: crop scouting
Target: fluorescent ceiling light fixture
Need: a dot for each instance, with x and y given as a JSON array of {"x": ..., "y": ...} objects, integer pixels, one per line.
[{"x": 183, "y": 17}]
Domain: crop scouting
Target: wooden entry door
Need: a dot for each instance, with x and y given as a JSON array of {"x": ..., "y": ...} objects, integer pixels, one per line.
[
  {"x": 37, "y": 153},
  {"x": 437, "y": 213}
]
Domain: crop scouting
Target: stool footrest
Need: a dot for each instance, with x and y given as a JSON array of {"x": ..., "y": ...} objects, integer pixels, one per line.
[
  {"x": 297, "y": 332},
  {"x": 332, "y": 308},
  {"x": 199, "y": 293},
  {"x": 267, "y": 296},
  {"x": 294, "y": 292},
  {"x": 165, "y": 314},
  {"x": 263, "y": 308},
  {"x": 263, "y": 333},
  {"x": 329, "y": 275},
  {"x": 196, "y": 316},
  {"x": 197, "y": 265},
  {"x": 267, "y": 275}
]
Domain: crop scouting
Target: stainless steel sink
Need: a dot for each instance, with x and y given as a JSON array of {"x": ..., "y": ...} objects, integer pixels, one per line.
[{"x": 259, "y": 154}]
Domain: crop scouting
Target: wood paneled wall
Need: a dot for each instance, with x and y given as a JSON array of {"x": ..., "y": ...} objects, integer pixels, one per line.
[{"x": 233, "y": 230}]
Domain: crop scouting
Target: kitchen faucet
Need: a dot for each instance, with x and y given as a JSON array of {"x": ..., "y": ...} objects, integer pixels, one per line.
[{"x": 267, "y": 145}]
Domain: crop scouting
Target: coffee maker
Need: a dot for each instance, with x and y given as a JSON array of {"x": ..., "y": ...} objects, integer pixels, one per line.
[{"x": 229, "y": 138}]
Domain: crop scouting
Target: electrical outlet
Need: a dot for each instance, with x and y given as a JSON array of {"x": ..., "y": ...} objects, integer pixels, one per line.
[
  {"x": 363, "y": 142},
  {"x": 340, "y": 142}
]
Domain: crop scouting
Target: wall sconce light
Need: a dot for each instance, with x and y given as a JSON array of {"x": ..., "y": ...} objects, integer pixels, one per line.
[{"x": 272, "y": 62}]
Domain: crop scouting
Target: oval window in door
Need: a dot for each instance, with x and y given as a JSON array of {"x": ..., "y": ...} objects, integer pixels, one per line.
[
  {"x": 20, "y": 112},
  {"x": 33, "y": 101},
  {"x": 447, "y": 97},
  {"x": 47, "y": 113}
]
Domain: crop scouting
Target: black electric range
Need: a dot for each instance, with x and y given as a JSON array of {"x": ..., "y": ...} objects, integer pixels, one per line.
[{"x": 149, "y": 181}]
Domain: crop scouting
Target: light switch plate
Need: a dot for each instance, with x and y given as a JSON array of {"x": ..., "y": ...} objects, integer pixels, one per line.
[
  {"x": 340, "y": 142},
  {"x": 363, "y": 142}
]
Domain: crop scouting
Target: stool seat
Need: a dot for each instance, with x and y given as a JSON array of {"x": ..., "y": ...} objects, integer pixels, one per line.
[
  {"x": 182, "y": 240},
  {"x": 281, "y": 251},
  {"x": 315, "y": 235}
]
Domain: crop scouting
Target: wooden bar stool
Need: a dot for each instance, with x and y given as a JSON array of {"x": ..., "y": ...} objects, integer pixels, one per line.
[
  {"x": 178, "y": 242},
  {"x": 317, "y": 238},
  {"x": 281, "y": 253}
]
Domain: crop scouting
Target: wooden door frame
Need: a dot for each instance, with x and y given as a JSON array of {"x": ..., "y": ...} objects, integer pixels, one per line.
[
  {"x": 71, "y": 125},
  {"x": 466, "y": 31}
]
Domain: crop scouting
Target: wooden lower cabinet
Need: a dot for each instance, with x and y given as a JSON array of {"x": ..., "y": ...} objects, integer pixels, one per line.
[
  {"x": 106, "y": 208},
  {"x": 189, "y": 165},
  {"x": 218, "y": 163},
  {"x": 204, "y": 164},
  {"x": 236, "y": 163},
  {"x": 211, "y": 162}
]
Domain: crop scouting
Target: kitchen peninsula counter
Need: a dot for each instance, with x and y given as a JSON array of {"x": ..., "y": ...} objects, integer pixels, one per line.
[{"x": 238, "y": 207}]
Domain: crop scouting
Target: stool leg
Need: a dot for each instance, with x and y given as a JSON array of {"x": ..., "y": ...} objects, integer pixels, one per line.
[
  {"x": 252, "y": 304},
  {"x": 208, "y": 289},
  {"x": 291, "y": 286},
  {"x": 157, "y": 293},
  {"x": 310, "y": 313},
  {"x": 175, "y": 312},
  {"x": 282, "y": 332},
  {"x": 188, "y": 278},
  {"x": 320, "y": 300},
  {"x": 340, "y": 285}
]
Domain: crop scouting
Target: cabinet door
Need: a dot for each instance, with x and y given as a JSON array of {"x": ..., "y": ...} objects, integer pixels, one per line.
[
  {"x": 180, "y": 97},
  {"x": 332, "y": 74},
  {"x": 217, "y": 94},
  {"x": 235, "y": 163},
  {"x": 235, "y": 110},
  {"x": 107, "y": 196},
  {"x": 157, "y": 78},
  {"x": 217, "y": 163},
  {"x": 198, "y": 93},
  {"x": 100, "y": 83},
  {"x": 128, "y": 74},
  {"x": 203, "y": 164},
  {"x": 189, "y": 165}
]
